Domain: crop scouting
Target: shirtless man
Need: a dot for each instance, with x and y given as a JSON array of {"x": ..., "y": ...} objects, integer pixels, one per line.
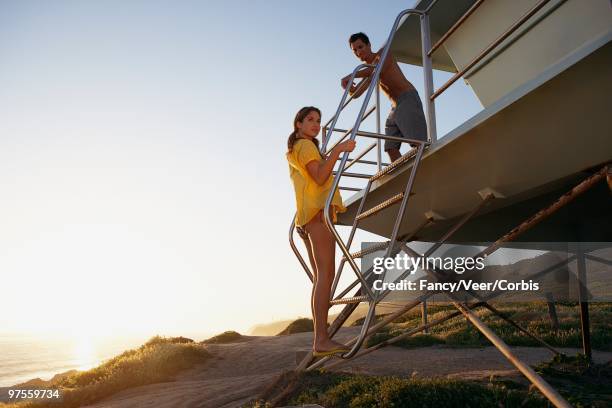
[{"x": 406, "y": 118}]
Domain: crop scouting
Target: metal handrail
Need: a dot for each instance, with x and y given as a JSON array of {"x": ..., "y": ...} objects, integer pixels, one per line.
[
  {"x": 326, "y": 125},
  {"x": 402, "y": 210},
  {"x": 342, "y": 105},
  {"x": 349, "y": 100},
  {"x": 347, "y": 132},
  {"x": 378, "y": 142},
  {"x": 297, "y": 252}
]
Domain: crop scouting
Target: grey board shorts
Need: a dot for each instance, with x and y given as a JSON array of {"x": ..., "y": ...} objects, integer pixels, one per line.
[{"x": 406, "y": 120}]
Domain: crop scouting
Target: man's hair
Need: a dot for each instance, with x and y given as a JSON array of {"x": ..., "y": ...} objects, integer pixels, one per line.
[{"x": 359, "y": 36}]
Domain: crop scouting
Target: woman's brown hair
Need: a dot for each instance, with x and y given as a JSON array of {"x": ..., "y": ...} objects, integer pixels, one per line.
[{"x": 299, "y": 117}]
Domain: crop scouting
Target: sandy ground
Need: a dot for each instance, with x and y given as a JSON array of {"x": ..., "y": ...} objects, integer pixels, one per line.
[{"x": 239, "y": 371}]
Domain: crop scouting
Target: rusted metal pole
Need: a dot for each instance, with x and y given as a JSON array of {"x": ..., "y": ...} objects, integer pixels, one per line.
[
  {"x": 515, "y": 325},
  {"x": 491, "y": 308},
  {"x": 583, "y": 300},
  {"x": 424, "y": 316},
  {"x": 546, "y": 212},
  {"x": 552, "y": 311},
  {"x": 545, "y": 388}
]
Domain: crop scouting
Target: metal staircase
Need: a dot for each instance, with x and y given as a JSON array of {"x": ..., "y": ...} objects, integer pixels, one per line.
[{"x": 400, "y": 200}]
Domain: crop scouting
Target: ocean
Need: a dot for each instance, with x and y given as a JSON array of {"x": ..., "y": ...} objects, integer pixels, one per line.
[{"x": 24, "y": 357}]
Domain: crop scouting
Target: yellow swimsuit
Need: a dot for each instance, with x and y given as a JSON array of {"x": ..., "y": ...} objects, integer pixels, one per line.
[{"x": 309, "y": 196}]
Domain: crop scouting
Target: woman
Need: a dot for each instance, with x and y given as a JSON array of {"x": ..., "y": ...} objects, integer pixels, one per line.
[{"x": 311, "y": 176}]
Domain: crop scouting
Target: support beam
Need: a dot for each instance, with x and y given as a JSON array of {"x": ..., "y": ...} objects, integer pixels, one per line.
[
  {"x": 485, "y": 303},
  {"x": 515, "y": 325},
  {"x": 424, "y": 316},
  {"x": 552, "y": 311},
  {"x": 545, "y": 388},
  {"x": 565, "y": 199},
  {"x": 583, "y": 300}
]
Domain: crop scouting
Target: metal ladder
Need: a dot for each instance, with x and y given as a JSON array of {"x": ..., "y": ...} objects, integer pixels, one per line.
[{"x": 365, "y": 293}]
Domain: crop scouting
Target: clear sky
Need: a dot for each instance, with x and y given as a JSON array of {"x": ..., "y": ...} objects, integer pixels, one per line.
[{"x": 143, "y": 184}]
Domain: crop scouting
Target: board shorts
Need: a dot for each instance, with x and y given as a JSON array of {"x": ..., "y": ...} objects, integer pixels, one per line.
[{"x": 406, "y": 120}]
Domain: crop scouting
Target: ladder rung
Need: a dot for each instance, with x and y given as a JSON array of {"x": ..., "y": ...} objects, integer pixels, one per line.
[
  {"x": 369, "y": 250},
  {"x": 365, "y": 161},
  {"x": 344, "y": 301},
  {"x": 395, "y": 164},
  {"x": 355, "y": 175},
  {"x": 381, "y": 206},
  {"x": 350, "y": 188}
]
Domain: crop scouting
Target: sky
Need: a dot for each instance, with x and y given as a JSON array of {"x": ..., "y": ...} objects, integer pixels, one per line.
[{"x": 143, "y": 183}]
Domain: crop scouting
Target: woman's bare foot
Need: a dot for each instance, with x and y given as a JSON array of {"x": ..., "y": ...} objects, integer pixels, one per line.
[{"x": 329, "y": 345}]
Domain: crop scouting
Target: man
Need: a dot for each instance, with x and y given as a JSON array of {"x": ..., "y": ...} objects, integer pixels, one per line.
[{"x": 406, "y": 118}]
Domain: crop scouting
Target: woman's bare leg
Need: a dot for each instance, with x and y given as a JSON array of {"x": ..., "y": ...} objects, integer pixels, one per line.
[
  {"x": 323, "y": 249},
  {"x": 313, "y": 265}
]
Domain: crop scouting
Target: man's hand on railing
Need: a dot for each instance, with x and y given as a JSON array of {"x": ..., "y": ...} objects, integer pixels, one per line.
[
  {"x": 357, "y": 90},
  {"x": 344, "y": 82},
  {"x": 364, "y": 72}
]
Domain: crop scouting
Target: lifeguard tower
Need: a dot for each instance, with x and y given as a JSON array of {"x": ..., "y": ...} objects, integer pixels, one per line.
[{"x": 530, "y": 167}]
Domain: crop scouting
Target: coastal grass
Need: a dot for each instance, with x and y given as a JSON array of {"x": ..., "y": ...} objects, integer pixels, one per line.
[
  {"x": 533, "y": 317},
  {"x": 301, "y": 325},
  {"x": 158, "y": 360},
  {"x": 224, "y": 338},
  {"x": 341, "y": 390},
  {"x": 581, "y": 384}
]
